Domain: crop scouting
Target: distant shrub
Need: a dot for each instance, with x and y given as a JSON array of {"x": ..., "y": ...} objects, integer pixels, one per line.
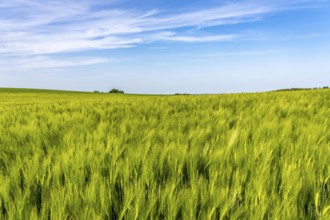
[
  {"x": 181, "y": 94},
  {"x": 297, "y": 89},
  {"x": 116, "y": 91},
  {"x": 96, "y": 91},
  {"x": 292, "y": 89}
]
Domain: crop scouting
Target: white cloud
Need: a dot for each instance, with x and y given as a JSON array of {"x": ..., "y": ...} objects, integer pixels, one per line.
[
  {"x": 172, "y": 36},
  {"x": 191, "y": 39},
  {"x": 43, "y": 62},
  {"x": 37, "y": 27}
]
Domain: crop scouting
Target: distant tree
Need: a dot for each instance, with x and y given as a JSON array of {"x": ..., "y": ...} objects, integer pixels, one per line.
[
  {"x": 116, "y": 91},
  {"x": 181, "y": 94},
  {"x": 325, "y": 87},
  {"x": 96, "y": 91}
]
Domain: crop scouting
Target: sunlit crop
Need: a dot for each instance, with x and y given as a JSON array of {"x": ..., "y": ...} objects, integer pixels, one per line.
[{"x": 103, "y": 156}]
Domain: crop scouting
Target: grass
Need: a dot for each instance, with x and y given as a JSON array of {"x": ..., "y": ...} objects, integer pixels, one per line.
[
  {"x": 27, "y": 90},
  {"x": 101, "y": 156}
]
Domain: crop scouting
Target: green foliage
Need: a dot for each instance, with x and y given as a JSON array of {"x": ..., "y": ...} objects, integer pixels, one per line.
[
  {"x": 93, "y": 156},
  {"x": 116, "y": 91},
  {"x": 181, "y": 94}
]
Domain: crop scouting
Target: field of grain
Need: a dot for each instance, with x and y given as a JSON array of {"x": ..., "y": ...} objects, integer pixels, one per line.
[{"x": 70, "y": 155}]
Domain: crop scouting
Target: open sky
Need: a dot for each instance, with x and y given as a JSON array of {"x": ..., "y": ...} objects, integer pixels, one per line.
[{"x": 165, "y": 46}]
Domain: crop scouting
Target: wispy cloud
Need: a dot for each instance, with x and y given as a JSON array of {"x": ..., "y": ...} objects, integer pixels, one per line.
[
  {"x": 40, "y": 28},
  {"x": 43, "y": 62},
  {"x": 172, "y": 36}
]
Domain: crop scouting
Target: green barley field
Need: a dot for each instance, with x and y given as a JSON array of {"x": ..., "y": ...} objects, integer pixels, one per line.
[{"x": 71, "y": 155}]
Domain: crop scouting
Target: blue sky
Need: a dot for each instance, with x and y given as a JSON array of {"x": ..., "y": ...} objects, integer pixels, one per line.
[{"x": 195, "y": 46}]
